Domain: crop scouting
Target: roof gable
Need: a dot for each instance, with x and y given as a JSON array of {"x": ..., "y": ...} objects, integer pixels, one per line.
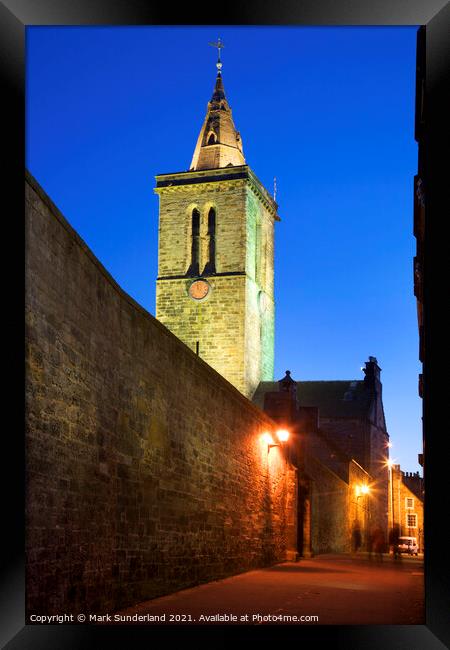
[{"x": 342, "y": 398}]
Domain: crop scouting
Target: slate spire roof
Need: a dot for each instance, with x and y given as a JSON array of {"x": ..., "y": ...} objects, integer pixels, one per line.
[{"x": 219, "y": 143}]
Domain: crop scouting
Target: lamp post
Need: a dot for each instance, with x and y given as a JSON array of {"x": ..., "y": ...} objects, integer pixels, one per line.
[
  {"x": 282, "y": 436},
  {"x": 365, "y": 492},
  {"x": 362, "y": 491},
  {"x": 390, "y": 463}
]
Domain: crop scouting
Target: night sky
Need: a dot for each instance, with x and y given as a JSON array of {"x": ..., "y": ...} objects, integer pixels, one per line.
[{"x": 329, "y": 111}]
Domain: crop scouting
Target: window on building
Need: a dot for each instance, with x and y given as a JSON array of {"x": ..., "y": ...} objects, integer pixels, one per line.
[
  {"x": 195, "y": 243},
  {"x": 409, "y": 502},
  {"x": 212, "y": 138},
  {"x": 210, "y": 266},
  {"x": 411, "y": 520}
]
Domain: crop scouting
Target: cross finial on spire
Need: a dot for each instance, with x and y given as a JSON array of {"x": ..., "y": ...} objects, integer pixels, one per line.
[{"x": 219, "y": 46}]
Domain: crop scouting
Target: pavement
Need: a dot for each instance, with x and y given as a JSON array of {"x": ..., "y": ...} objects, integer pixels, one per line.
[{"x": 324, "y": 590}]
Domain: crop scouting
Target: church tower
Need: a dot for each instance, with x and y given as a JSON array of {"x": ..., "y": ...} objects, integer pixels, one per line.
[{"x": 215, "y": 258}]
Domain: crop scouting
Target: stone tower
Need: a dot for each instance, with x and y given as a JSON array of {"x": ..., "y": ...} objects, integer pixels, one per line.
[{"x": 215, "y": 263}]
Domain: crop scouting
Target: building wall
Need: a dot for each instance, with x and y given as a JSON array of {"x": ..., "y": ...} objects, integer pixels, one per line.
[
  {"x": 379, "y": 473},
  {"x": 146, "y": 470},
  {"x": 366, "y": 444},
  {"x": 327, "y": 476},
  {"x": 329, "y": 514},
  {"x": 260, "y": 312},
  {"x": 401, "y": 492},
  {"x": 228, "y": 197},
  {"x": 221, "y": 337},
  {"x": 337, "y": 503},
  {"x": 234, "y": 326},
  {"x": 318, "y": 446},
  {"x": 350, "y": 434},
  {"x": 360, "y": 506}
]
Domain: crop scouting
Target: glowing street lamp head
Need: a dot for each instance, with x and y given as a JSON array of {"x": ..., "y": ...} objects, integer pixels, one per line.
[
  {"x": 267, "y": 438},
  {"x": 282, "y": 435},
  {"x": 362, "y": 489}
]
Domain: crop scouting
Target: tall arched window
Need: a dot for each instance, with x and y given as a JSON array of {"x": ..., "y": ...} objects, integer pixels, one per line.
[
  {"x": 210, "y": 266},
  {"x": 195, "y": 243}
]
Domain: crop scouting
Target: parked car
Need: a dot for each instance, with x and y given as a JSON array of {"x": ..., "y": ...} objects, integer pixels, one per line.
[{"x": 408, "y": 545}]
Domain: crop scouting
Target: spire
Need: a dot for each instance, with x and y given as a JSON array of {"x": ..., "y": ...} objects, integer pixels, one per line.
[
  {"x": 219, "y": 91},
  {"x": 219, "y": 143}
]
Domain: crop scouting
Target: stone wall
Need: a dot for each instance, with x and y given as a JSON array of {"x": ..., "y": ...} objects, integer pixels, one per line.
[
  {"x": 260, "y": 305},
  {"x": 336, "y": 507},
  {"x": 217, "y": 324},
  {"x": 328, "y": 473},
  {"x": 227, "y": 197},
  {"x": 361, "y": 507},
  {"x": 403, "y": 508},
  {"x": 351, "y": 434},
  {"x": 329, "y": 514},
  {"x": 147, "y": 472},
  {"x": 367, "y": 445},
  {"x": 379, "y": 472}
]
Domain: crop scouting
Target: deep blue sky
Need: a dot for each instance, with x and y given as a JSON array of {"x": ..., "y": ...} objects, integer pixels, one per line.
[{"x": 328, "y": 111}]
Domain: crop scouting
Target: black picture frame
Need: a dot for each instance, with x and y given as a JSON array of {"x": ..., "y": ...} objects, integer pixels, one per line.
[{"x": 15, "y": 16}]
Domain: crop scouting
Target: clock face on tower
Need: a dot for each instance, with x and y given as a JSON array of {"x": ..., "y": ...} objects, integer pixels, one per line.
[{"x": 199, "y": 290}]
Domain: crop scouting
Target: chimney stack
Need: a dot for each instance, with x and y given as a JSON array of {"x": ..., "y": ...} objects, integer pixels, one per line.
[{"x": 372, "y": 370}]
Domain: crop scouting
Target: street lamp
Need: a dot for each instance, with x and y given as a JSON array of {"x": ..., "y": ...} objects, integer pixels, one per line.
[
  {"x": 282, "y": 436},
  {"x": 362, "y": 490},
  {"x": 390, "y": 464}
]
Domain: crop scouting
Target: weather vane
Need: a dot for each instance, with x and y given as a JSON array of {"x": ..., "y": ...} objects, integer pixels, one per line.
[{"x": 219, "y": 46}]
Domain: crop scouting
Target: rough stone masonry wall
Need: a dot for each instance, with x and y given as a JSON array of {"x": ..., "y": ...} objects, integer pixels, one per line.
[
  {"x": 401, "y": 492},
  {"x": 329, "y": 523},
  {"x": 146, "y": 470},
  {"x": 175, "y": 216},
  {"x": 380, "y": 476},
  {"x": 259, "y": 324},
  {"x": 217, "y": 323},
  {"x": 360, "y": 507}
]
